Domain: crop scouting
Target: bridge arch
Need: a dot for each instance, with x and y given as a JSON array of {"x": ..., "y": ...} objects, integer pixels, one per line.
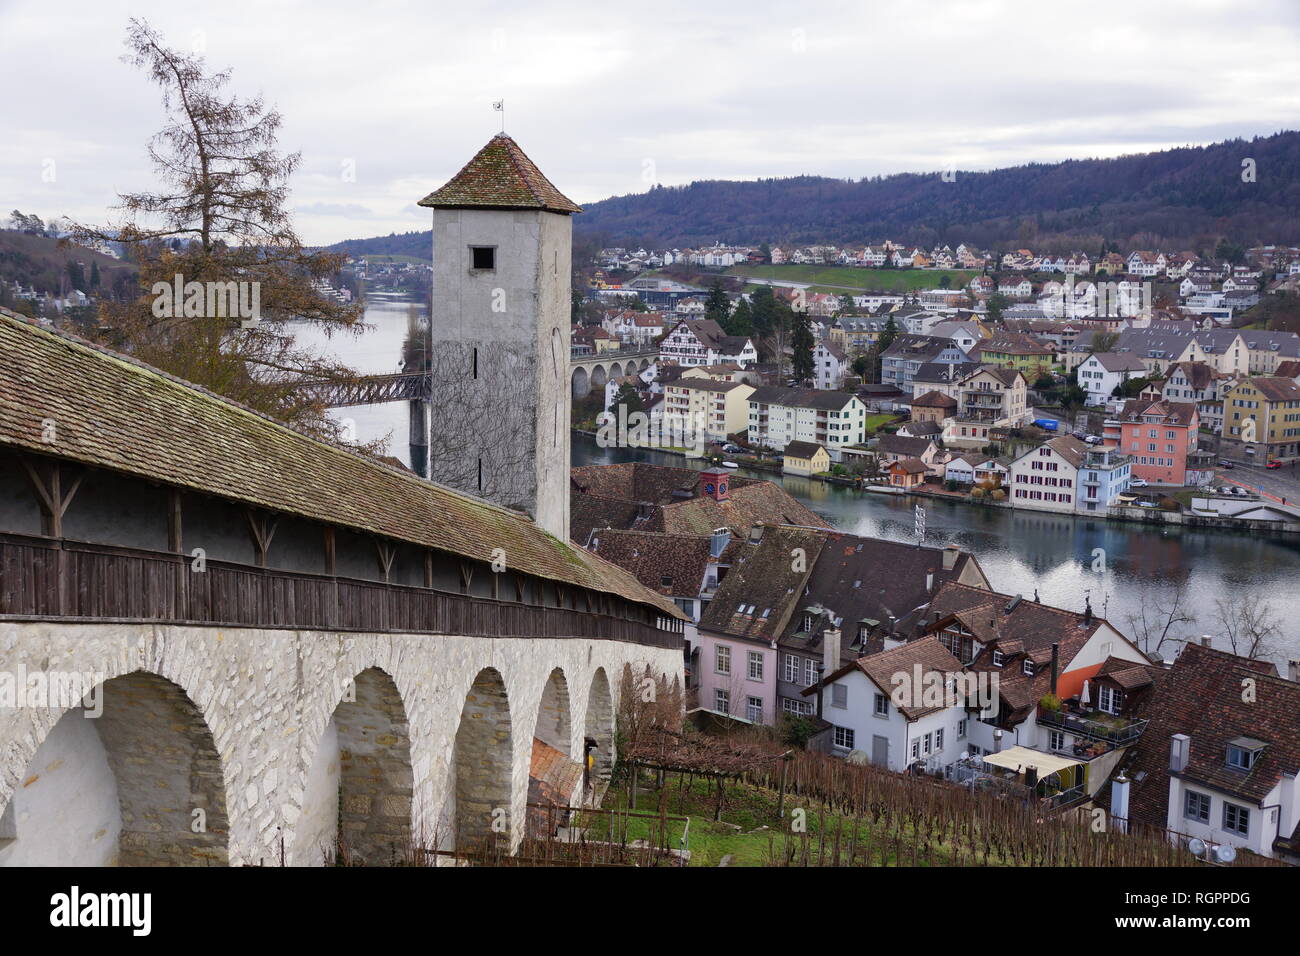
[
  {"x": 598, "y": 733},
  {"x": 616, "y": 371},
  {"x": 645, "y": 364},
  {"x": 554, "y": 720},
  {"x": 357, "y": 797},
  {"x": 599, "y": 376},
  {"x": 581, "y": 382},
  {"x": 482, "y": 761},
  {"x": 131, "y": 778}
]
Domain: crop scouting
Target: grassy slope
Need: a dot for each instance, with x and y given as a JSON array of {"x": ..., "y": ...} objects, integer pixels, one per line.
[
  {"x": 848, "y": 277},
  {"x": 751, "y": 834}
]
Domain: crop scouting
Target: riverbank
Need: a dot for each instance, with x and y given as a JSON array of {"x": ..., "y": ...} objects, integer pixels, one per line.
[{"x": 1144, "y": 516}]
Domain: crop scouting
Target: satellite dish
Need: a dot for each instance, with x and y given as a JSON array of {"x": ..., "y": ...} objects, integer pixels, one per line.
[
  {"x": 1197, "y": 846},
  {"x": 1224, "y": 853}
]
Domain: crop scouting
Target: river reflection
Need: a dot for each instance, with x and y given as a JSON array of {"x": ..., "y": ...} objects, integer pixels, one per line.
[
  {"x": 1023, "y": 551},
  {"x": 1020, "y": 551}
]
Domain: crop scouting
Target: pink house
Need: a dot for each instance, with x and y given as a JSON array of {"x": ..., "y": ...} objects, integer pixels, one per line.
[{"x": 1158, "y": 436}]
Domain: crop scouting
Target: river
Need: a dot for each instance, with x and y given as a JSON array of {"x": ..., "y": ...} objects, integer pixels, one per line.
[{"x": 1020, "y": 551}]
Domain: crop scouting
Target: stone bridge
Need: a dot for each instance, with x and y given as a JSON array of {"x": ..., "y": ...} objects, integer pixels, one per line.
[{"x": 588, "y": 372}]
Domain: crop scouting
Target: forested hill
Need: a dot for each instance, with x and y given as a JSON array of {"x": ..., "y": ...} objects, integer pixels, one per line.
[{"x": 1168, "y": 198}]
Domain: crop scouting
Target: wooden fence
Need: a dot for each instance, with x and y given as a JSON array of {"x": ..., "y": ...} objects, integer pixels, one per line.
[{"x": 50, "y": 578}]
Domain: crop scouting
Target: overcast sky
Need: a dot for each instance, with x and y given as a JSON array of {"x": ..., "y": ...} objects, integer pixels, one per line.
[{"x": 607, "y": 98}]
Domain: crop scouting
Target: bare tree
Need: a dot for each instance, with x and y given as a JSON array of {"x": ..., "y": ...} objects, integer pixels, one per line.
[
  {"x": 1249, "y": 624},
  {"x": 1161, "y": 619},
  {"x": 219, "y": 219}
]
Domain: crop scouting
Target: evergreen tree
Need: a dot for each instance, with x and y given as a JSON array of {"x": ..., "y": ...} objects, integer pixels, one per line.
[
  {"x": 801, "y": 343},
  {"x": 887, "y": 335},
  {"x": 717, "y": 306},
  {"x": 94, "y": 275},
  {"x": 741, "y": 321}
]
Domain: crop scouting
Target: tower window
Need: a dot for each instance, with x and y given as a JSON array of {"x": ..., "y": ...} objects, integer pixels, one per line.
[{"x": 483, "y": 258}]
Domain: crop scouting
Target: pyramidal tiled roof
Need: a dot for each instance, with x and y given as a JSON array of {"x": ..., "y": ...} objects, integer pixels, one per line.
[{"x": 501, "y": 176}]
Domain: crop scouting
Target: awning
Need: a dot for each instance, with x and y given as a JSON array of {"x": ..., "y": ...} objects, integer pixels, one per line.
[{"x": 1019, "y": 758}]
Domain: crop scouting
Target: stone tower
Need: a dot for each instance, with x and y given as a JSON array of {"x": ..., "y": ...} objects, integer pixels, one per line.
[{"x": 502, "y": 244}]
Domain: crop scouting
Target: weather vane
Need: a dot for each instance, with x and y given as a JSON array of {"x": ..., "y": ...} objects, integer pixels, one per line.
[{"x": 500, "y": 107}]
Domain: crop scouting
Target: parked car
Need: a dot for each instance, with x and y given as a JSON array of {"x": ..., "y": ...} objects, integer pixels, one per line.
[
  {"x": 1274, "y": 463},
  {"x": 1093, "y": 439},
  {"x": 1137, "y": 483},
  {"x": 732, "y": 449},
  {"x": 1223, "y": 463},
  {"x": 1240, "y": 491}
]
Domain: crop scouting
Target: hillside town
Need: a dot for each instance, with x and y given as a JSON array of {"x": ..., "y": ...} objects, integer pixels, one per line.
[{"x": 1064, "y": 394}]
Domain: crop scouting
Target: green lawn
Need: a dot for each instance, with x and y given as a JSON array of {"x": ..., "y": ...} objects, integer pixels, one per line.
[
  {"x": 876, "y": 422},
  {"x": 827, "y": 278}
]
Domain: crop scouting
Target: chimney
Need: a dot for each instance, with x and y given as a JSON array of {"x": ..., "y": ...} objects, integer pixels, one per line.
[
  {"x": 830, "y": 650},
  {"x": 950, "y": 554},
  {"x": 756, "y": 533},
  {"x": 929, "y": 582},
  {"x": 997, "y": 741},
  {"x": 1180, "y": 750},
  {"x": 1119, "y": 803},
  {"x": 1056, "y": 662},
  {"x": 1205, "y": 640},
  {"x": 1293, "y": 670}
]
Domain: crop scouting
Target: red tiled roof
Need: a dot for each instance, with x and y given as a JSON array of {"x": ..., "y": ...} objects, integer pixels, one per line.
[{"x": 500, "y": 176}]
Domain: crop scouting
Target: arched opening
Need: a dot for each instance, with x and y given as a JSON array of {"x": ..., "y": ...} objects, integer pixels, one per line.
[
  {"x": 133, "y": 778},
  {"x": 553, "y": 720},
  {"x": 356, "y": 806},
  {"x": 581, "y": 383},
  {"x": 616, "y": 371},
  {"x": 598, "y": 377},
  {"x": 555, "y": 776},
  {"x": 645, "y": 363},
  {"x": 483, "y": 757},
  {"x": 598, "y": 734}
]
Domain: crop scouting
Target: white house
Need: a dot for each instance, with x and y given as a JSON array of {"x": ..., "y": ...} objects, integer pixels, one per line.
[
  {"x": 1046, "y": 478},
  {"x": 897, "y": 708},
  {"x": 834, "y": 420},
  {"x": 1102, "y": 372},
  {"x": 830, "y": 365},
  {"x": 702, "y": 342}
]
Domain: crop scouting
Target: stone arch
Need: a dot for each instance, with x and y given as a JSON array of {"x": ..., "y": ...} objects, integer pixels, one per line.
[
  {"x": 599, "y": 376},
  {"x": 357, "y": 798},
  {"x": 140, "y": 784},
  {"x": 645, "y": 364},
  {"x": 616, "y": 371},
  {"x": 482, "y": 759},
  {"x": 581, "y": 382},
  {"x": 554, "y": 723},
  {"x": 598, "y": 733}
]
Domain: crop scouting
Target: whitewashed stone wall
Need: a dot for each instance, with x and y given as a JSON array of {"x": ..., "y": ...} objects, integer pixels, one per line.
[{"x": 267, "y": 697}]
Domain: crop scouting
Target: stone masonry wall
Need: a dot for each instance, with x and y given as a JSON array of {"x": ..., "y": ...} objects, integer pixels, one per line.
[{"x": 266, "y": 697}]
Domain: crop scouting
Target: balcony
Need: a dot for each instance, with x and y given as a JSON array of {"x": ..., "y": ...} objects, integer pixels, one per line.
[{"x": 1100, "y": 728}]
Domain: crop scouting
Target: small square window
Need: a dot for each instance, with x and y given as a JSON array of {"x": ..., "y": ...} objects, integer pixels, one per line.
[{"x": 483, "y": 258}]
